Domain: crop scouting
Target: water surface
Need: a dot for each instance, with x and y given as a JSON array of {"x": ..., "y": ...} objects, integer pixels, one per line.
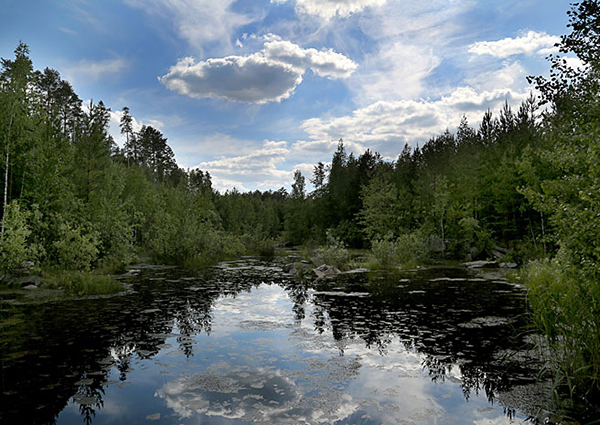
[{"x": 243, "y": 343}]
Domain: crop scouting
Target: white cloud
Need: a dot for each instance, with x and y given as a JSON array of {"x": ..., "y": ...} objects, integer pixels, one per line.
[
  {"x": 306, "y": 169},
  {"x": 197, "y": 21},
  {"x": 274, "y": 144},
  {"x": 252, "y": 79},
  {"x": 411, "y": 41},
  {"x": 324, "y": 63},
  {"x": 510, "y": 75},
  {"x": 95, "y": 70},
  {"x": 396, "y": 71},
  {"x": 575, "y": 63},
  {"x": 385, "y": 126},
  {"x": 328, "y": 9},
  {"x": 269, "y": 75},
  {"x": 529, "y": 44},
  {"x": 259, "y": 168},
  {"x": 67, "y": 30}
]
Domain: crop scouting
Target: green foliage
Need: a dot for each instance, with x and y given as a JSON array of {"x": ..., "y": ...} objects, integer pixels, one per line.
[
  {"x": 334, "y": 253},
  {"x": 16, "y": 246},
  {"x": 76, "y": 248},
  {"x": 565, "y": 308},
  {"x": 563, "y": 183},
  {"x": 78, "y": 283},
  {"x": 412, "y": 248},
  {"x": 408, "y": 250},
  {"x": 256, "y": 245},
  {"x": 381, "y": 210},
  {"x": 384, "y": 251}
]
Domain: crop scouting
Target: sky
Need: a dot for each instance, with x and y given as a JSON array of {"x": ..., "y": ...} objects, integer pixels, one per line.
[{"x": 251, "y": 90}]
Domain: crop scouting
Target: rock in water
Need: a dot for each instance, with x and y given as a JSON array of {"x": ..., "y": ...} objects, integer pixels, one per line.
[{"x": 481, "y": 264}]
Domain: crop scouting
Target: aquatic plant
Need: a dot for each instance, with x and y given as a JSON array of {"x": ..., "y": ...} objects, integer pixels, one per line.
[
  {"x": 565, "y": 307},
  {"x": 78, "y": 283}
]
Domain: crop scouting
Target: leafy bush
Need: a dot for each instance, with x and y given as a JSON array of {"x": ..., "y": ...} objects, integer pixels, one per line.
[
  {"x": 15, "y": 246},
  {"x": 334, "y": 253},
  {"x": 411, "y": 248},
  {"x": 408, "y": 250},
  {"x": 256, "y": 245},
  {"x": 76, "y": 248},
  {"x": 384, "y": 251}
]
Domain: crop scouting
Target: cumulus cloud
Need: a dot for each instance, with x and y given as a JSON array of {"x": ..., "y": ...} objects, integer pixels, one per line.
[
  {"x": 386, "y": 126},
  {"x": 328, "y": 9},
  {"x": 243, "y": 79},
  {"x": 266, "y": 76},
  {"x": 324, "y": 63},
  {"x": 529, "y": 44}
]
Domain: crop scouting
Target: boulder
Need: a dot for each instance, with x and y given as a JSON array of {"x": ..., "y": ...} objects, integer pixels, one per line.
[
  {"x": 508, "y": 265},
  {"x": 325, "y": 271},
  {"x": 24, "y": 281},
  {"x": 356, "y": 271},
  {"x": 481, "y": 264},
  {"x": 294, "y": 269}
]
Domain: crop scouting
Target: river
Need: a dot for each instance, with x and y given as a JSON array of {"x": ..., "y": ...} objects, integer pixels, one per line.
[{"x": 244, "y": 343}]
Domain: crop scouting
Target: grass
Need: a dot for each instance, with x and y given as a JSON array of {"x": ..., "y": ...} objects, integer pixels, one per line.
[
  {"x": 78, "y": 283},
  {"x": 565, "y": 307}
]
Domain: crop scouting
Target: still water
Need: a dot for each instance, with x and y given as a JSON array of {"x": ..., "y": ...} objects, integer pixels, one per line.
[{"x": 243, "y": 343}]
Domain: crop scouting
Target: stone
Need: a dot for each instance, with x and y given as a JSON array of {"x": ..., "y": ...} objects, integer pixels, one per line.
[
  {"x": 497, "y": 254},
  {"x": 293, "y": 269},
  {"x": 28, "y": 280},
  {"x": 27, "y": 265},
  {"x": 356, "y": 271},
  {"x": 325, "y": 271},
  {"x": 508, "y": 265},
  {"x": 481, "y": 264}
]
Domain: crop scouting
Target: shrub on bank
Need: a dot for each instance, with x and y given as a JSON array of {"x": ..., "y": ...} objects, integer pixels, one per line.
[
  {"x": 334, "y": 253},
  {"x": 407, "y": 250},
  {"x": 565, "y": 307}
]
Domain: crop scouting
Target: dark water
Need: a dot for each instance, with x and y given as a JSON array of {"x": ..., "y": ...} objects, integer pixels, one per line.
[{"x": 243, "y": 343}]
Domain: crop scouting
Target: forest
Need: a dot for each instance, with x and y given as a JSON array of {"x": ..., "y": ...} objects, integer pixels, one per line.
[{"x": 523, "y": 185}]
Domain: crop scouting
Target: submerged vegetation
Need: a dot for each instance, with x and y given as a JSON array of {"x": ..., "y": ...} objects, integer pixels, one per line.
[{"x": 523, "y": 186}]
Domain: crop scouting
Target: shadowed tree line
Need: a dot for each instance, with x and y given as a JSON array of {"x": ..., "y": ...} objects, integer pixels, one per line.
[{"x": 72, "y": 199}]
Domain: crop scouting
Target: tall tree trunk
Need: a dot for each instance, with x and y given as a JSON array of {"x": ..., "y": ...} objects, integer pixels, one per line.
[
  {"x": 5, "y": 200},
  {"x": 5, "y": 192},
  {"x": 543, "y": 232}
]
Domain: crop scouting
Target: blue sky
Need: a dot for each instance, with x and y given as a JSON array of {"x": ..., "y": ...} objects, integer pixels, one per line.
[{"x": 250, "y": 90}]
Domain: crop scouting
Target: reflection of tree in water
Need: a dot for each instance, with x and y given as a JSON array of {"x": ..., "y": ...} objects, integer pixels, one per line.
[
  {"x": 122, "y": 358},
  {"x": 77, "y": 342},
  {"x": 298, "y": 293},
  {"x": 191, "y": 320},
  {"x": 87, "y": 338},
  {"x": 89, "y": 396},
  {"x": 436, "y": 319}
]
